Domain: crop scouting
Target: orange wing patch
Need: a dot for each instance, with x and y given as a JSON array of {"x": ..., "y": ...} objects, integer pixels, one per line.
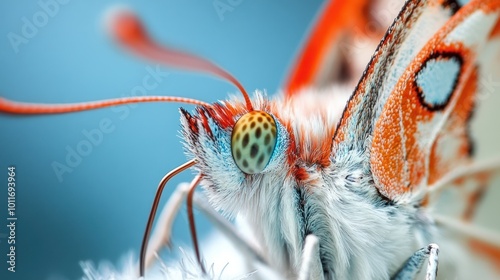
[{"x": 404, "y": 130}]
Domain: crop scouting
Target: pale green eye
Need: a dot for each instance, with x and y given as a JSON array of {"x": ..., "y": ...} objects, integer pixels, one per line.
[{"x": 253, "y": 141}]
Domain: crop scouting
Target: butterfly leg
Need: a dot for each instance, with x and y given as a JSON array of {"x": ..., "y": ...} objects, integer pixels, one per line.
[
  {"x": 163, "y": 231},
  {"x": 311, "y": 264},
  {"x": 414, "y": 264}
]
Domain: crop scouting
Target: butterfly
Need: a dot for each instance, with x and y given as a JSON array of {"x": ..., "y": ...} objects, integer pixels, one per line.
[{"x": 340, "y": 193}]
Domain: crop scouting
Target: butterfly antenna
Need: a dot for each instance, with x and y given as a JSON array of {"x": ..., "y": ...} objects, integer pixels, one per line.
[
  {"x": 25, "y": 108},
  {"x": 192, "y": 227},
  {"x": 128, "y": 30},
  {"x": 154, "y": 208}
]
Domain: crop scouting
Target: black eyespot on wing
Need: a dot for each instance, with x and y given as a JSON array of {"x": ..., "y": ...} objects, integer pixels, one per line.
[
  {"x": 266, "y": 126},
  {"x": 453, "y": 5},
  {"x": 238, "y": 154},
  {"x": 245, "y": 163}
]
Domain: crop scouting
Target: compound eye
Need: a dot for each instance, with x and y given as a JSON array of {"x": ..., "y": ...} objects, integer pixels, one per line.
[{"x": 253, "y": 141}]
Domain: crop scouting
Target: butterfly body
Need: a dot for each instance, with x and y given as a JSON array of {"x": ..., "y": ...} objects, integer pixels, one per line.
[{"x": 362, "y": 235}]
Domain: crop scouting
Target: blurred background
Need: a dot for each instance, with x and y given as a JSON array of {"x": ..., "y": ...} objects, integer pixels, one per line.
[{"x": 94, "y": 207}]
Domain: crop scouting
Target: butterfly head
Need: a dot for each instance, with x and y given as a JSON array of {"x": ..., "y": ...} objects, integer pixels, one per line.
[{"x": 235, "y": 147}]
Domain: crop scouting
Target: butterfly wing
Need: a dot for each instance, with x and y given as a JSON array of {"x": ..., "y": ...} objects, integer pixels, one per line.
[
  {"x": 418, "y": 89},
  {"x": 412, "y": 107},
  {"x": 340, "y": 44}
]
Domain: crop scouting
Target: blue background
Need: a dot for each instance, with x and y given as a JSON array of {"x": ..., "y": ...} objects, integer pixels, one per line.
[{"x": 99, "y": 210}]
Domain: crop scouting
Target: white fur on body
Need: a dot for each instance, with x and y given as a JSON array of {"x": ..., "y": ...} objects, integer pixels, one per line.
[{"x": 361, "y": 236}]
